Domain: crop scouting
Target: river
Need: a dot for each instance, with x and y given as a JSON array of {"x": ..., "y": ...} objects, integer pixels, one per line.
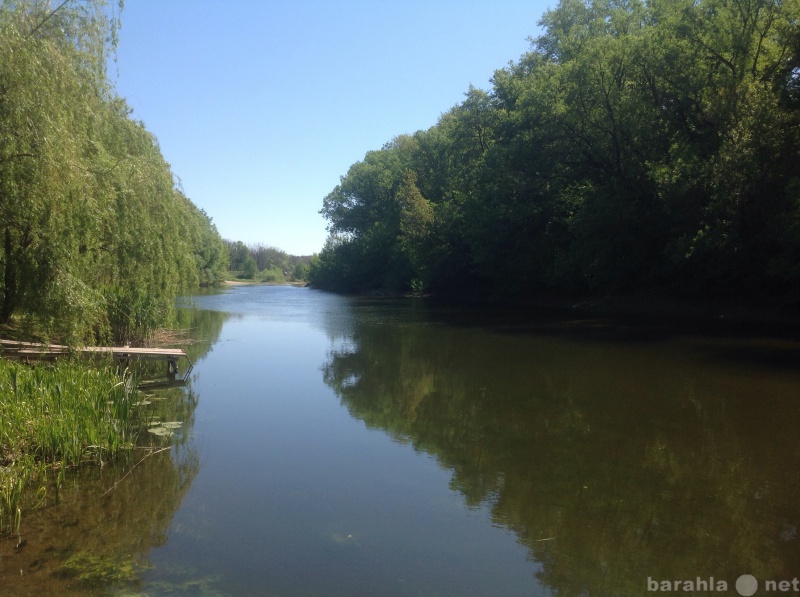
[{"x": 343, "y": 446}]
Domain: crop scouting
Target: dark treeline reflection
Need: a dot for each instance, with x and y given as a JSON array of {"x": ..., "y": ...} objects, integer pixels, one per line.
[{"x": 614, "y": 457}]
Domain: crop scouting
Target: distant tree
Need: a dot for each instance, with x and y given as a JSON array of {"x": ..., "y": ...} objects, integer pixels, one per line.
[
  {"x": 250, "y": 268},
  {"x": 268, "y": 257},
  {"x": 299, "y": 271},
  {"x": 238, "y": 253}
]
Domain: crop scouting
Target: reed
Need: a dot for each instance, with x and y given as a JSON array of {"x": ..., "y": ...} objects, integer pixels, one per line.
[{"x": 57, "y": 416}]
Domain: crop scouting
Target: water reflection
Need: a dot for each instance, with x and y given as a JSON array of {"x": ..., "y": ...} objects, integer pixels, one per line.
[
  {"x": 104, "y": 520},
  {"x": 611, "y": 453},
  {"x": 197, "y": 332},
  {"x": 95, "y": 533},
  {"x": 203, "y": 328},
  {"x": 613, "y": 456}
]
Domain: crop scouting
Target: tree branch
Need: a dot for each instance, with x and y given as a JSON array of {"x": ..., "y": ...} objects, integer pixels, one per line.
[
  {"x": 47, "y": 18},
  {"x": 18, "y": 155}
]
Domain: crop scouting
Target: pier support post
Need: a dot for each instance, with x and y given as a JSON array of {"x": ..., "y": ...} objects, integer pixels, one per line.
[{"x": 172, "y": 369}]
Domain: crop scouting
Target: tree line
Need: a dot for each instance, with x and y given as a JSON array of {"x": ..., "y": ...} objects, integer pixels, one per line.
[
  {"x": 265, "y": 263},
  {"x": 96, "y": 237},
  {"x": 638, "y": 146}
]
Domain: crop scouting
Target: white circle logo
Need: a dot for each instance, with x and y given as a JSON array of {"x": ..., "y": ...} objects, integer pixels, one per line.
[{"x": 746, "y": 585}]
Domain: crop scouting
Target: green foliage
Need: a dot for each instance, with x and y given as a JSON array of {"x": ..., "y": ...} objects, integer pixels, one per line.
[
  {"x": 96, "y": 239},
  {"x": 65, "y": 413},
  {"x": 61, "y": 415},
  {"x": 299, "y": 271},
  {"x": 13, "y": 485},
  {"x": 98, "y": 570},
  {"x": 416, "y": 226},
  {"x": 636, "y": 146},
  {"x": 365, "y": 213},
  {"x": 237, "y": 252},
  {"x": 250, "y": 268},
  {"x": 210, "y": 251},
  {"x": 266, "y": 264}
]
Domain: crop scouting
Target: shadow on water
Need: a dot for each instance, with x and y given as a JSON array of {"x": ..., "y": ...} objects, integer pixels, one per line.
[
  {"x": 614, "y": 452},
  {"x": 92, "y": 536}
]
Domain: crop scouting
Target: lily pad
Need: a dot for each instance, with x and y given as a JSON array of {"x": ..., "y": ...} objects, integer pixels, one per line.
[{"x": 161, "y": 431}]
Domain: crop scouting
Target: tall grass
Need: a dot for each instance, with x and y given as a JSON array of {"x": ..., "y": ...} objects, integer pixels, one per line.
[{"x": 55, "y": 417}]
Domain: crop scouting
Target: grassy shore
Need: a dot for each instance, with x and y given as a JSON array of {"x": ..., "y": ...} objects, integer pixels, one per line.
[{"x": 54, "y": 417}]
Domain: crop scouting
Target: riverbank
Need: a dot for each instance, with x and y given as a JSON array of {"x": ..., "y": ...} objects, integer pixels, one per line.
[
  {"x": 299, "y": 283},
  {"x": 55, "y": 417}
]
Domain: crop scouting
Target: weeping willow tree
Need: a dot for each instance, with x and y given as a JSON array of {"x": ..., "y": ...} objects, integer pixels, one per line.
[{"x": 96, "y": 240}]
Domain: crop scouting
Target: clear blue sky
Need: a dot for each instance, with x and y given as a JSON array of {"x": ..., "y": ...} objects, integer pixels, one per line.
[{"x": 261, "y": 105}]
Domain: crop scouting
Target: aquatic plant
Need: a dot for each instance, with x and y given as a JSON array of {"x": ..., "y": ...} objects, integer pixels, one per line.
[
  {"x": 13, "y": 483},
  {"x": 103, "y": 570},
  {"x": 55, "y": 417}
]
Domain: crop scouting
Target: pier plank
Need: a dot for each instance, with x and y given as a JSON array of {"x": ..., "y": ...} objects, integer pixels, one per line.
[{"x": 122, "y": 353}]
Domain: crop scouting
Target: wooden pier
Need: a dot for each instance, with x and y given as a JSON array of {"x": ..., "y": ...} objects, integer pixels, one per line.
[{"x": 125, "y": 354}]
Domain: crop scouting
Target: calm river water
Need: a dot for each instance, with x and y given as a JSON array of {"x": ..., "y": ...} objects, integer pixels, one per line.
[{"x": 339, "y": 446}]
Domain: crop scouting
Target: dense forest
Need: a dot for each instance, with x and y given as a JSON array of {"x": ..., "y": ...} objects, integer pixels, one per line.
[
  {"x": 638, "y": 147},
  {"x": 96, "y": 237}
]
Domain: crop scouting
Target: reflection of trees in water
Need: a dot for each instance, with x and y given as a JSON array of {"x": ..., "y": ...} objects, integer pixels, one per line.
[
  {"x": 110, "y": 516},
  {"x": 612, "y": 462},
  {"x": 204, "y": 328}
]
